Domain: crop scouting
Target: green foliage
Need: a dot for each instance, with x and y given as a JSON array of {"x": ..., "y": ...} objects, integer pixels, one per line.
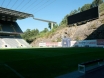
[
  {"x": 29, "y": 35},
  {"x": 64, "y": 21},
  {"x": 96, "y": 3},
  {"x": 49, "y": 25},
  {"x": 55, "y": 26},
  {"x": 59, "y": 39},
  {"x": 79, "y": 9},
  {"x": 45, "y": 30},
  {"x": 46, "y": 33},
  {"x": 101, "y": 8},
  {"x": 73, "y": 12},
  {"x": 85, "y": 7}
]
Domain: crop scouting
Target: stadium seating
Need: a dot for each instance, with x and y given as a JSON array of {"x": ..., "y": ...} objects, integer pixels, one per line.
[
  {"x": 17, "y": 28},
  {"x": 23, "y": 42},
  {"x": 10, "y": 27},
  {"x": 13, "y": 43},
  {"x": 9, "y": 40},
  {"x": 7, "y": 27},
  {"x": 10, "y": 30},
  {"x": 1, "y": 43}
]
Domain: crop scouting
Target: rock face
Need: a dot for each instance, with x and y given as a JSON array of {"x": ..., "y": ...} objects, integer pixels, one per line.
[{"x": 91, "y": 30}]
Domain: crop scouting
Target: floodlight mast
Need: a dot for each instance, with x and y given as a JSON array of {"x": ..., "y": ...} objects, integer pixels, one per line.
[{"x": 52, "y": 22}]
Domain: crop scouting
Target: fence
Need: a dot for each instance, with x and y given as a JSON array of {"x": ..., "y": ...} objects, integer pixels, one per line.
[{"x": 81, "y": 43}]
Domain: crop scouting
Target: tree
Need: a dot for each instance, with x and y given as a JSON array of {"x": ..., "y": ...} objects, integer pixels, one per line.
[
  {"x": 45, "y": 30},
  {"x": 30, "y": 35},
  {"x": 96, "y": 3},
  {"x": 85, "y": 7},
  {"x": 49, "y": 25},
  {"x": 79, "y": 9},
  {"x": 55, "y": 25},
  {"x": 34, "y": 32},
  {"x": 73, "y": 12},
  {"x": 64, "y": 20},
  {"x": 27, "y": 33},
  {"x": 37, "y": 32}
]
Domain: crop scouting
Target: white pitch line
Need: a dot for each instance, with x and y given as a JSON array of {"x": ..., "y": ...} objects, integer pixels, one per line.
[{"x": 14, "y": 71}]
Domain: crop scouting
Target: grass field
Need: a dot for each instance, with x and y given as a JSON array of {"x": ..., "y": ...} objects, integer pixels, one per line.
[{"x": 45, "y": 62}]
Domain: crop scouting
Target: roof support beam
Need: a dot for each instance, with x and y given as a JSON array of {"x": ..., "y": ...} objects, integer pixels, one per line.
[
  {"x": 44, "y": 20},
  {"x": 13, "y": 13}
]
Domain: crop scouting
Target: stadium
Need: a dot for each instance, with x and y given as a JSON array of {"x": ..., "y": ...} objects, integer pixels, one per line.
[
  {"x": 10, "y": 30},
  {"x": 18, "y": 59}
]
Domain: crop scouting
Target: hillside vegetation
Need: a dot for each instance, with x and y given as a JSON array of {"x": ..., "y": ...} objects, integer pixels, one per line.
[{"x": 90, "y": 30}]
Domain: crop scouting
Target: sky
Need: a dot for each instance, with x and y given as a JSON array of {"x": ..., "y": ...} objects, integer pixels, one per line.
[{"x": 53, "y": 10}]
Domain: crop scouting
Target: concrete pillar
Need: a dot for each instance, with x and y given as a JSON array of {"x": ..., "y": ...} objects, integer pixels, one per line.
[{"x": 51, "y": 25}]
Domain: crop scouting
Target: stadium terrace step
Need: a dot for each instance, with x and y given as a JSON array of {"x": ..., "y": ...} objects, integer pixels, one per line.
[{"x": 88, "y": 66}]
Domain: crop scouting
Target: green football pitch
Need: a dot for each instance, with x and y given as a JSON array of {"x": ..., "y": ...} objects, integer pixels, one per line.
[{"x": 44, "y": 62}]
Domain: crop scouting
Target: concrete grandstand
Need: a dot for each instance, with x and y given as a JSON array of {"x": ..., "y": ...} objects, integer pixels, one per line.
[{"x": 10, "y": 30}]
